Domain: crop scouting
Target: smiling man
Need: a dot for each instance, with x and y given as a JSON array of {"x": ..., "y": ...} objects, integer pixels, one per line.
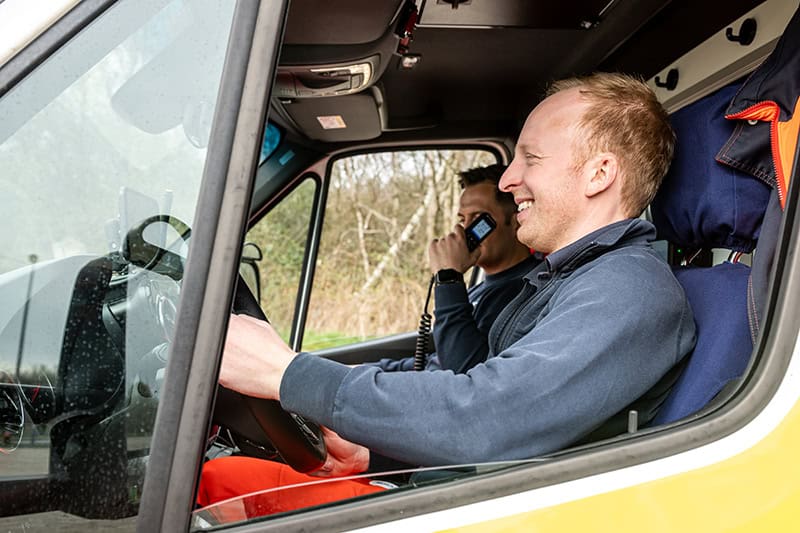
[{"x": 597, "y": 324}]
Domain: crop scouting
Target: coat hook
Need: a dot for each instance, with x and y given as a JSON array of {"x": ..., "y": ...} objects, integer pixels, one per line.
[
  {"x": 672, "y": 80},
  {"x": 747, "y": 32}
]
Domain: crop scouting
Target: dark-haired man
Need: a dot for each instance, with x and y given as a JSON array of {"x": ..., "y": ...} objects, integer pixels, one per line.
[{"x": 464, "y": 317}]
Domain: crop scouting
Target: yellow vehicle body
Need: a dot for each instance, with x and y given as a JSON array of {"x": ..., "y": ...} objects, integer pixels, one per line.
[{"x": 755, "y": 489}]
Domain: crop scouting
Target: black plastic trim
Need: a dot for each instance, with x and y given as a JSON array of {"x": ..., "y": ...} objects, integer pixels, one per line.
[
  {"x": 271, "y": 189},
  {"x": 627, "y": 19},
  {"x": 309, "y": 262},
  {"x": 191, "y": 376},
  {"x": 310, "y": 249}
]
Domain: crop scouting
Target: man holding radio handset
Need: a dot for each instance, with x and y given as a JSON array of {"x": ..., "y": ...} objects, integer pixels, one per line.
[{"x": 486, "y": 236}]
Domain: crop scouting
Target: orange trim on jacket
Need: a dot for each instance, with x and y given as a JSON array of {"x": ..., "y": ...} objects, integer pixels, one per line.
[{"x": 783, "y": 138}]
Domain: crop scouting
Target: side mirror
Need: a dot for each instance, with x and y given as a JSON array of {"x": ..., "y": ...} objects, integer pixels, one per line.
[{"x": 248, "y": 268}]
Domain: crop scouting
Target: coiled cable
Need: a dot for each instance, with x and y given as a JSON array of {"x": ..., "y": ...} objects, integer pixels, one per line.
[{"x": 423, "y": 333}]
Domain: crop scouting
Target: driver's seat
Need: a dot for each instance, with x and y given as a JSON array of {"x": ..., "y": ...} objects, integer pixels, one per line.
[{"x": 704, "y": 205}]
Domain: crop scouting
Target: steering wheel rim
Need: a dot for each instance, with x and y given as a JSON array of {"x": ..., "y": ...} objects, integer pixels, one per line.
[
  {"x": 299, "y": 442},
  {"x": 263, "y": 422}
]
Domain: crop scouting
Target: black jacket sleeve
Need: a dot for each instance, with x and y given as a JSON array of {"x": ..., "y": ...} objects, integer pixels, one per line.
[{"x": 461, "y": 331}]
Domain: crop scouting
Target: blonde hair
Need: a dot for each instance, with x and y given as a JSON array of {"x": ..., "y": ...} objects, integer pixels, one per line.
[{"x": 625, "y": 118}]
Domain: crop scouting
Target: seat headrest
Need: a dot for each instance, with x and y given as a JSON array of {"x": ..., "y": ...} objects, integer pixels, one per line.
[{"x": 702, "y": 203}]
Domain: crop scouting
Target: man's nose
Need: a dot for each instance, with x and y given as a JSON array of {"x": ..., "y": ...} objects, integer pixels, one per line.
[{"x": 509, "y": 179}]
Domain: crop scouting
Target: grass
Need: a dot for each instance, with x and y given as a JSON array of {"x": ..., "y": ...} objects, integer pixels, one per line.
[{"x": 317, "y": 340}]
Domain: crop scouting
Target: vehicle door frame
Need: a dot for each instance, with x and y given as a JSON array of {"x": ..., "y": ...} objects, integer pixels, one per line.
[{"x": 191, "y": 375}]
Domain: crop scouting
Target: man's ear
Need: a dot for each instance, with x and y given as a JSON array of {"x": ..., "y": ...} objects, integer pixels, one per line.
[{"x": 602, "y": 171}]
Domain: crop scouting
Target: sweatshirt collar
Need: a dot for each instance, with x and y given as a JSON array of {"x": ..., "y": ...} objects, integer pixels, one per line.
[
  {"x": 629, "y": 231},
  {"x": 516, "y": 271}
]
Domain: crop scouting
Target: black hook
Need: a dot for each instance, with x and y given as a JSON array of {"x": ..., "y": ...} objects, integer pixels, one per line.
[
  {"x": 672, "y": 80},
  {"x": 747, "y": 32},
  {"x": 455, "y": 3}
]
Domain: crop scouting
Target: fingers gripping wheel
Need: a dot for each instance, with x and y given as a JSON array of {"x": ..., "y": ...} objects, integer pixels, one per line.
[{"x": 298, "y": 441}]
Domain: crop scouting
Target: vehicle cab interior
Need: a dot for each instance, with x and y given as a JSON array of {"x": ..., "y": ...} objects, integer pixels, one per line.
[{"x": 164, "y": 163}]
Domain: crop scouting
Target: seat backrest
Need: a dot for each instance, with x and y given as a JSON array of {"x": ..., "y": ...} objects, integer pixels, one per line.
[{"x": 703, "y": 204}]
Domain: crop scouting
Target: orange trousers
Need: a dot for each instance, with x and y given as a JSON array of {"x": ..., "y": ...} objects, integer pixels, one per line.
[{"x": 235, "y": 476}]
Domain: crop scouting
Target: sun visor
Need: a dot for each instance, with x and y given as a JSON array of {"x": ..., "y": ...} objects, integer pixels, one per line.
[{"x": 353, "y": 117}]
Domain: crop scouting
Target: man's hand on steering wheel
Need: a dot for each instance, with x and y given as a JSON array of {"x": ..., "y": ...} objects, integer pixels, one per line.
[
  {"x": 252, "y": 368},
  {"x": 345, "y": 458}
]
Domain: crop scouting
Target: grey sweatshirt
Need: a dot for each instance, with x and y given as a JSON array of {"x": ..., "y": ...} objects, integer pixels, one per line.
[{"x": 597, "y": 324}]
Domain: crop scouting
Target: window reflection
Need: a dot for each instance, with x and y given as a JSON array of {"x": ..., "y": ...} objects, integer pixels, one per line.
[{"x": 102, "y": 150}]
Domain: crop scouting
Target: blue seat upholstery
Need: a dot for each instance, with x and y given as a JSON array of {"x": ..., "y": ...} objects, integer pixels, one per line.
[
  {"x": 702, "y": 205},
  {"x": 718, "y": 297}
]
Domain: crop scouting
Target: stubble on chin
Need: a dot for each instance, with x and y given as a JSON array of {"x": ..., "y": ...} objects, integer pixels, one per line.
[{"x": 527, "y": 236}]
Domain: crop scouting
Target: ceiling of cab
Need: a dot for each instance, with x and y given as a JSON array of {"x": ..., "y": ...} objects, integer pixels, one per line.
[
  {"x": 482, "y": 65},
  {"x": 338, "y": 22},
  {"x": 512, "y": 13}
]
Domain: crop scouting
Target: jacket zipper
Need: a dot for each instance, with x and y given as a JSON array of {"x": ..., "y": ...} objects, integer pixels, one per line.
[{"x": 775, "y": 114}]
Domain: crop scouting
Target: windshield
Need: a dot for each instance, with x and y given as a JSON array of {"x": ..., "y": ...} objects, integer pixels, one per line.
[{"x": 102, "y": 151}]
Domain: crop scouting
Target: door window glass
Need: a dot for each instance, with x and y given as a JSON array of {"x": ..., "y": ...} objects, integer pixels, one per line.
[
  {"x": 372, "y": 269},
  {"x": 281, "y": 235},
  {"x": 102, "y": 150}
]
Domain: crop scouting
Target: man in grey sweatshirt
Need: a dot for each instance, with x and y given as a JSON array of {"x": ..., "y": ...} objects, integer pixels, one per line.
[{"x": 597, "y": 324}]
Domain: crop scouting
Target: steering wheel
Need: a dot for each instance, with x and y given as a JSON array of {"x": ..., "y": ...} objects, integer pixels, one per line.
[
  {"x": 261, "y": 422},
  {"x": 264, "y": 422}
]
